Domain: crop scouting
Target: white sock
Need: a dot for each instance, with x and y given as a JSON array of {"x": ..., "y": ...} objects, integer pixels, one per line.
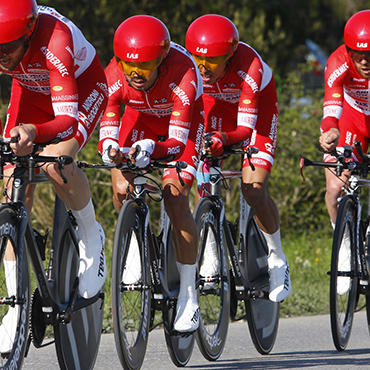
[
  {"x": 86, "y": 221},
  {"x": 275, "y": 249},
  {"x": 187, "y": 280}
]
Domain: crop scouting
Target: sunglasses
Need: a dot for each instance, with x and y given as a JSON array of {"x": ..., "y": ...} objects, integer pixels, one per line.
[
  {"x": 140, "y": 68},
  {"x": 11, "y": 47},
  {"x": 210, "y": 63},
  {"x": 358, "y": 55}
]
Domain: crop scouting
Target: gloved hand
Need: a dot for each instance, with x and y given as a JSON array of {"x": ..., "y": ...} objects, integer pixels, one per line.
[
  {"x": 142, "y": 157},
  {"x": 217, "y": 143},
  {"x": 107, "y": 145}
]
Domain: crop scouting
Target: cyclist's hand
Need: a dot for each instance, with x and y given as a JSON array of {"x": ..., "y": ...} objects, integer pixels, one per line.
[
  {"x": 329, "y": 139},
  {"x": 217, "y": 142},
  {"x": 26, "y": 134},
  {"x": 141, "y": 151},
  {"x": 110, "y": 151}
]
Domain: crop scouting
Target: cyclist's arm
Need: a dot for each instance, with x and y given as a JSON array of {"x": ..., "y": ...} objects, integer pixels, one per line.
[
  {"x": 63, "y": 88},
  {"x": 248, "y": 104},
  {"x": 110, "y": 122},
  {"x": 184, "y": 97}
]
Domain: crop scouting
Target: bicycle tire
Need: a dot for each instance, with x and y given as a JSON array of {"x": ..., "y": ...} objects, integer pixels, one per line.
[
  {"x": 77, "y": 342},
  {"x": 262, "y": 314},
  {"x": 131, "y": 305},
  {"x": 180, "y": 348},
  {"x": 10, "y": 237},
  {"x": 214, "y": 301},
  {"x": 343, "y": 300}
]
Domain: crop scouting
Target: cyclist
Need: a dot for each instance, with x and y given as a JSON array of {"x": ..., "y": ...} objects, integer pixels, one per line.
[
  {"x": 161, "y": 89},
  {"x": 347, "y": 102},
  {"x": 59, "y": 91},
  {"x": 240, "y": 105},
  {"x": 346, "y": 117}
]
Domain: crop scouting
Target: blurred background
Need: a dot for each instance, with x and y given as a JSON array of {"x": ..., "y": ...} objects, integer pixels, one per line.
[{"x": 295, "y": 38}]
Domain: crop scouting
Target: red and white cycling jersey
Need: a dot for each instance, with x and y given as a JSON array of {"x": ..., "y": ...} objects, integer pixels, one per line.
[
  {"x": 61, "y": 80},
  {"x": 243, "y": 103},
  {"x": 171, "y": 108},
  {"x": 346, "y": 101}
]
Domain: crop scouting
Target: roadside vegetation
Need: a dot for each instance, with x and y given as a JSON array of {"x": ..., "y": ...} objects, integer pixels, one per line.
[{"x": 278, "y": 31}]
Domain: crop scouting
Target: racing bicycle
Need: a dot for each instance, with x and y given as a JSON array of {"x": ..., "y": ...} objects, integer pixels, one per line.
[
  {"x": 350, "y": 260},
  {"x": 145, "y": 278},
  {"x": 241, "y": 246},
  {"x": 76, "y": 321}
]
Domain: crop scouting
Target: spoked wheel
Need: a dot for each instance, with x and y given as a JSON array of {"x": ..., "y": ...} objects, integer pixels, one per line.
[
  {"x": 76, "y": 342},
  {"x": 262, "y": 314},
  {"x": 343, "y": 279},
  {"x": 14, "y": 286},
  {"x": 180, "y": 348},
  {"x": 214, "y": 287},
  {"x": 131, "y": 292}
]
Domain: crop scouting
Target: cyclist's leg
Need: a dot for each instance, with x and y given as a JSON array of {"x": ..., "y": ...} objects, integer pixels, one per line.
[
  {"x": 176, "y": 199},
  {"x": 76, "y": 192},
  {"x": 255, "y": 193}
]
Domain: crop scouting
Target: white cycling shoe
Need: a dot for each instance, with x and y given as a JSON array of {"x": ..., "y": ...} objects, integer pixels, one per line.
[
  {"x": 187, "y": 315},
  {"x": 344, "y": 264},
  {"x": 211, "y": 264},
  {"x": 8, "y": 329},
  {"x": 93, "y": 269},
  {"x": 132, "y": 271},
  {"x": 280, "y": 285}
]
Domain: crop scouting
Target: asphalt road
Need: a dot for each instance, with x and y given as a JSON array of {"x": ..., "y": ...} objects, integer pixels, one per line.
[{"x": 302, "y": 343}]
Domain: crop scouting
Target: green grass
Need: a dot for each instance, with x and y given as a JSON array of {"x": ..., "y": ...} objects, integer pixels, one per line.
[{"x": 309, "y": 257}]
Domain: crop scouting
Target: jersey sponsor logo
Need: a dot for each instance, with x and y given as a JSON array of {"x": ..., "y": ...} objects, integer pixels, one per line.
[
  {"x": 56, "y": 62},
  {"x": 246, "y": 101},
  {"x": 249, "y": 80},
  {"x": 64, "y": 98},
  {"x": 115, "y": 87},
  {"x": 174, "y": 150},
  {"x": 180, "y": 93},
  {"x": 201, "y": 50},
  {"x": 132, "y": 56},
  {"x": 336, "y": 95},
  {"x": 135, "y": 101},
  {"x": 81, "y": 54},
  {"x": 110, "y": 114},
  {"x": 57, "y": 88},
  {"x": 361, "y": 44},
  {"x": 178, "y": 133},
  {"x": 336, "y": 73},
  {"x": 65, "y": 133},
  {"x": 175, "y": 113}
]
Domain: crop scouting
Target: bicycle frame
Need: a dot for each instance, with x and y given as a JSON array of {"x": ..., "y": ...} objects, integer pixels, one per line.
[
  {"x": 54, "y": 310},
  {"x": 243, "y": 285}
]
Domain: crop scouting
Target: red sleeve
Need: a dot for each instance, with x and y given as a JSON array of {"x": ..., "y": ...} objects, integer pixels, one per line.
[
  {"x": 110, "y": 122},
  {"x": 63, "y": 87},
  {"x": 336, "y": 72}
]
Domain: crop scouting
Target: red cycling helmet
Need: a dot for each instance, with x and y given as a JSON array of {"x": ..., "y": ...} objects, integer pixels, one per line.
[
  {"x": 17, "y": 19},
  {"x": 357, "y": 31},
  {"x": 212, "y": 35},
  {"x": 141, "y": 38}
]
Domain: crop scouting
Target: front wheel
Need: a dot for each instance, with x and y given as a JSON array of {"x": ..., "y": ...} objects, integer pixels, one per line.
[
  {"x": 15, "y": 289},
  {"x": 343, "y": 279},
  {"x": 131, "y": 289},
  {"x": 214, "y": 287}
]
